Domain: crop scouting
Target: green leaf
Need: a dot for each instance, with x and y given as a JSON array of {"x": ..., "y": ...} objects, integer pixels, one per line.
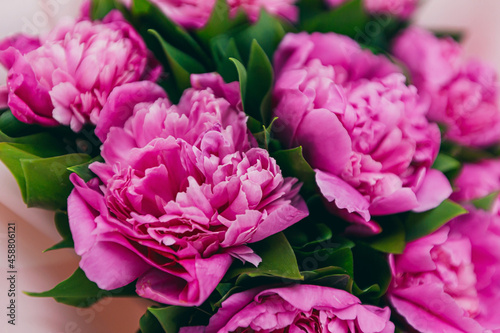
[
  {"x": 11, "y": 155},
  {"x": 149, "y": 324},
  {"x": 242, "y": 74},
  {"x": 62, "y": 225},
  {"x": 181, "y": 64},
  {"x": 445, "y": 163},
  {"x": 372, "y": 274},
  {"x": 52, "y": 190},
  {"x": 293, "y": 164},
  {"x": 327, "y": 254},
  {"x": 486, "y": 202},
  {"x": 83, "y": 171},
  {"x": 12, "y": 127},
  {"x": 257, "y": 102},
  {"x": 268, "y": 31},
  {"x": 278, "y": 260},
  {"x": 418, "y": 225},
  {"x": 392, "y": 239},
  {"x": 301, "y": 236},
  {"x": 348, "y": 19},
  {"x": 146, "y": 16},
  {"x": 219, "y": 22},
  {"x": 100, "y": 8},
  {"x": 79, "y": 291},
  {"x": 222, "y": 50},
  {"x": 171, "y": 318}
]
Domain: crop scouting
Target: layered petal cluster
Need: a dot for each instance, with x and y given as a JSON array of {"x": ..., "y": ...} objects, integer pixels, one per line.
[
  {"x": 400, "y": 8},
  {"x": 463, "y": 95},
  {"x": 67, "y": 77},
  {"x": 179, "y": 195},
  {"x": 448, "y": 281},
  {"x": 362, "y": 129},
  {"x": 194, "y": 14},
  {"x": 299, "y": 308}
]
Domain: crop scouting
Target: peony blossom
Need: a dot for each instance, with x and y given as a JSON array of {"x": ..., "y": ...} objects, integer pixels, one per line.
[
  {"x": 69, "y": 76},
  {"x": 299, "y": 308},
  {"x": 448, "y": 281},
  {"x": 362, "y": 129},
  {"x": 179, "y": 195},
  {"x": 476, "y": 181},
  {"x": 194, "y": 14},
  {"x": 400, "y": 8},
  {"x": 463, "y": 95}
]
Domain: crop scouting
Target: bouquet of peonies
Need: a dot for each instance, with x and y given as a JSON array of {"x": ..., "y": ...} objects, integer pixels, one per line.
[{"x": 263, "y": 165}]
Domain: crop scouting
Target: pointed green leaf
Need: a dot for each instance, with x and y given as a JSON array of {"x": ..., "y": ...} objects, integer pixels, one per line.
[
  {"x": 242, "y": 74},
  {"x": 418, "y": 225},
  {"x": 486, "y": 202},
  {"x": 268, "y": 31},
  {"x": 372, "y": 274},
  {"x": 293, "y": 164},
  {"x": 445, "y": 163},
  {"x": 172, "y": 318},
  {"x": 52, "y": 190},
  {"x": 219, "y": 22},
  {"x": 181, "y": 64},
  {"x": 392, "y": 239},
  {"x": 278, "y": 260},
  {"x": 11, "y": 155},
  {"x": 348, "y": 19},
  {"x": 222, "y": 50},
  {"x": 257, "y": 103},
  {"x": 100, "y": 8},
  {"x": 79, "y": 291},
  {"x": 149, "y": 324},
  {"x": 83, "y": 171},
  {"x": 62, "y": 226}
]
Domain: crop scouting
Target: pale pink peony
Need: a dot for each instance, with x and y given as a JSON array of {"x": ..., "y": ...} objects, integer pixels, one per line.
[
  {"x": 298, "y": 308},
  {"x": 194, "y": 14},
  {"x": 180, "y": 194},
  {"x": 463, "y": 95},
  {"x": 362, "y": 129},
  {"x": 448, "y": 281},
  {"x": 69, "y": 77},
  {"x": 400, "y": 8}
]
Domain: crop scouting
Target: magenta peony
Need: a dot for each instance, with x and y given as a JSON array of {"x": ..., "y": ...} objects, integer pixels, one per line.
[
  {"x": 400, "y": 8},
  {"x": 194, "y": 14},
  {"x": 362, "y": 129},
  {"x": 298, "y": 308},
  {"x": 180, "y": 194},
  {"x": 463, "y": 95},
  {"x": 448, "y": 281},
  {"x": 68, "y": 78}
]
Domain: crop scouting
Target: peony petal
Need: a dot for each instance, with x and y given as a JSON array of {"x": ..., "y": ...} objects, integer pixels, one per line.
[
  {"x": 433, "y": 191},
  {"x": 342, "y": 194},
  {"x": 121, "y": 102}
]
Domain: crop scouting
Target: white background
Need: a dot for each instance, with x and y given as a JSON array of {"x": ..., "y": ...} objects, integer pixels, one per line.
[{"x": 35, "y": 231}]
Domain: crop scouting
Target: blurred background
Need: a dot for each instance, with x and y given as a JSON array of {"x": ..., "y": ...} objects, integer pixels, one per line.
[{"x": 477, "y": 19}]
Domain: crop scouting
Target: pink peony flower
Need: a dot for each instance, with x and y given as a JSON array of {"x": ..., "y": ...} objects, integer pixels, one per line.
[
  {"x": 299, "y": 308},
  {"x": 180, "y": 194},
  {"x": 448, "y": 281},
  {"x": 476, "y": 181},
  {"x": 463, "y": 95},
  {"x": 194, "y": 14},
  {"x": 362, "y": 129},
  {"x": 68, "y": 78},
  {"x": 400, "y": 8}
]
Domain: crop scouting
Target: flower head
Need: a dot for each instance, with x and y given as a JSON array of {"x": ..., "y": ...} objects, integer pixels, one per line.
[
  {"x": 362, "y": 129},
  {"x": 463, "y": 95},
  {"x": 68, "y": 78},
  {"x": 304, "y": 308},
  {"x": 180, "y": 194}
]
